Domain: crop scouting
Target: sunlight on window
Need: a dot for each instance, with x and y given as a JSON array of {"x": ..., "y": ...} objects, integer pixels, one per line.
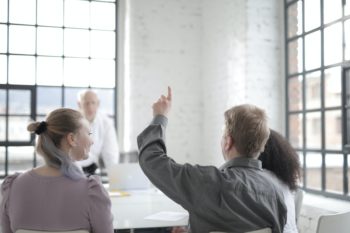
[
  {"x": 76, "y": 72},
  {"x": 102, "y": 73},
  {"x": 103, "y": 15},
  {"x": 49, "y": 71},
  {"x": 76, "y": 14},
  {"x": 102, "y": 44},
  {"x": 295, "y": 19},
  {"x": 313, "y": 90},
  {"x": 50, "y": 41},
  {"x": 2, "y": 129},
  {"x": 312, "y": 14},
  {"x": 19, "y": 102},
  {"x": 76, "y": 43},
  {"x": 333, "y": 44},
  {"x": 18, "y": 128},
  {"x": 333, "y": 130},
  {"x": 313, "y": 130},
  {"x": 50, "y": 12},
  {"x": 22, "y": 11},
  {"x": 332, "y": 10},
  {"x": 21, "y": 70},
  {"x": 332, "y": 87},
  {"x": 334, "y": 172},
  {"x": 3, "y": 69},
  {"x": 313, "y": 170},
  {"x": 313, "y": 50},
  {"x": 3, "y": 38},
  {"x": 347, "y": 39},
  {"x": 18, "y": 43},
  {"x": 20, "y": 158},
  {"x": 3, "y": 11}
]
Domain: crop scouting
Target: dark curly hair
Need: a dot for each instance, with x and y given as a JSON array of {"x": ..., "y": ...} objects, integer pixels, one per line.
[{"x": 280, "y": 158}]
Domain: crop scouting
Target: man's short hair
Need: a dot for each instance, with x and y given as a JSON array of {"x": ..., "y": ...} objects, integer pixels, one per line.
[
  {"x": 247, "y": 126},
  {"x": 81, "y": 94}
]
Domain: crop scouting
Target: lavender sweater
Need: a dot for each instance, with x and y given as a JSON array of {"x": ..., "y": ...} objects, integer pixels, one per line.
[{"x": 35, "y": 202}]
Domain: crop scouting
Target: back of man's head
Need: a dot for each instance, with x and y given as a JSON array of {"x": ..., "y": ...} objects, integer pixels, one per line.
[{"x": 247, "y": 126}]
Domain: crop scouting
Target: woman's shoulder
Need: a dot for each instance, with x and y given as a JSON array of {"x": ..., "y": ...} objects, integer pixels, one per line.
[{"x": 8, "y": 181}]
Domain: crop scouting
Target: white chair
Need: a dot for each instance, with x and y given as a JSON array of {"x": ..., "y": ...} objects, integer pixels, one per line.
[
  {"x": 265, "y": 230},
  {"x": 298, "y": 201},
  {"x": 339, "y": 223},
  {"x": 32, "y": 231}
]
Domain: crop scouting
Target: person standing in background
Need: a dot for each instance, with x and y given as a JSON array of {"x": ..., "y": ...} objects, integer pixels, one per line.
[{"x": 105, "y": 145}]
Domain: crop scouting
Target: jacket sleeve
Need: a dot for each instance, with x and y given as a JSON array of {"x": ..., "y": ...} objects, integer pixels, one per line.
[{"x": 185, "y": 184}]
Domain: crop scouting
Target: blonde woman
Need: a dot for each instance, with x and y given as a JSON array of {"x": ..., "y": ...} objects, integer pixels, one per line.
[{"x": 57, "y": 196}]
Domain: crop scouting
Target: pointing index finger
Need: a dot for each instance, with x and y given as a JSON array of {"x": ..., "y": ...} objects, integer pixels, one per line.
[{"x": 169, "y": 93}]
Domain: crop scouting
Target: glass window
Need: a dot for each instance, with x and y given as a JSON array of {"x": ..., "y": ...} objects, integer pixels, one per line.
[
  {"x": 312, "y": 14},
  {"x": 301, "y": 159},
  {"x": 334, "y": 172},
  {"x": 46, "y": 105},
  {"x": 24, "y": 75},
  {"x": 295, "y": 61},
  {"x": 3, "y": 69},
  {"x": 19, "y": 102},
  {"x": 103, "y": 15},
  {"x": 50, "y": 41},
  {"x": 22, "y": 11},
  {"x": 102, "y": 44},
  {"x": 333, "y": 44},
  {"x": 49, "y": 71},
  {"x": 333, "y": 129},
  {"x": 347, "y": 12},
  {"x": 313, "y": 50},
  {"x": 102, "y": 73},
  {"x": 20, "y": 45},
  {"x": 3, "y": 38},
  {"x": 2, "y": 101},
  {"x": 313, "y": 170},
  {"x": 20, "y": 158},
  {"x": 76, "y": 72},
  {"x": 295, "y": 93},
  {"x": 107, "y": 101},
  {"x": 313, "y": 130},
  {"x": 296, "y": 130},
  {"x": 332, "y": 10},
  {"x": 295, "y": 19},
  {"x": 2, "y": 160},
  {"x": 347, "y": 39},
  {"x": 72, "y": 8},
  {"x": 332, "y": 87},
  {"x": 313, "y": 90},
  {"x": 2, "y": 129},
  {"x": 71, "y": 97},
  {"x": 76, "y": 43},
  {"x": 18, "y": 128},
  {"x": 50, "y": 12},
  {"x": 3, "y": 11}
]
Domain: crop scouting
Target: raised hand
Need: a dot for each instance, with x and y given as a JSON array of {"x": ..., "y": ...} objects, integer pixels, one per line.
[{"x": 163, "y": 105}]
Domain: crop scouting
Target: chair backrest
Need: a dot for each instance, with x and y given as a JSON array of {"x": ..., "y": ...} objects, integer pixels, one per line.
[
  {"x": 298, "y": 201},
  {"x": 265, "y": 230},
  {"x": 339, "y": 223},
  {"x": 33, "y": 231}
]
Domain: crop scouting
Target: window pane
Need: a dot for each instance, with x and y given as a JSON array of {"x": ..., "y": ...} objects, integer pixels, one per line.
[
  {"x": 21, "y": 70},
  {"x": 49, "y": 71},
  {"x": 301, "y": 159},
  {"x": 3, "y": 38},
  {"x": 76, "y": 72},
  {"x": 347, "y": 12},
  {"x": 71, "y": 97},
  {"x": 347, "y": 39},
  {"x": 46, "y": 105},
  {"x": 295, "y": 19},
  {"x": 295, "y": 57},
  {"x": 50, "y": 12},
  {"x": 295, "y": 92},
  {"x": 22, "y": 11},
  {"x": 332, "y": 87},
  {"x": 313, "y": 170},
  {"x": 312, "y": 14},
  {"x": 2, "y": 101},
  {"x": 103, "y": 15},
  {"x": 76, "y": 43},
  {"x": 18, "y": 43},
  {"x": 102, "y": 44},
  {"x": 102, "y": 73},
  {"x": 3, "y": 69},
  {"x": 333, "y": 130},
  {"x": 3, "y": 11},
  {"x": 313, "y": 50},
  {"x": 313, "y": 130},
  {"x": 20, "y": 158},
  {"x": 107, "y": 100},
  {"x": 332, "y": 10},
  {"x": 313, "y": 90},
  {"x": 296, "y": 130},
  {"x": 2, "y": 128},
  {"x": 348, "y": 126},
  {"x": 18, "y": 129},
  {"x": 19, "y": 102},
  {"x": 333, "y": 44},
  {"x": 334, "y": 172},
  {"x": 50, "y": 41},
  {"x": 72, "y": 9}
]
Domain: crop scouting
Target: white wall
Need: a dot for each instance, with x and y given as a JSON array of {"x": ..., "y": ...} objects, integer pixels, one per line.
[{"x": 208, "y": 51}]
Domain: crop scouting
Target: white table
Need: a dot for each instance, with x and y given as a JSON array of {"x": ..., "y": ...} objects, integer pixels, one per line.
[{"x": 130, "y": 211}]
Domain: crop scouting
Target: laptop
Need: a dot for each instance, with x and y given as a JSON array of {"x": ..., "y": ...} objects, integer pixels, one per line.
[{"x": 127, "y": 176}]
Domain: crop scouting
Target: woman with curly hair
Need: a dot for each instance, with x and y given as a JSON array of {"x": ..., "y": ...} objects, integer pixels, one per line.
[{"x": 280, "y": 158}]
